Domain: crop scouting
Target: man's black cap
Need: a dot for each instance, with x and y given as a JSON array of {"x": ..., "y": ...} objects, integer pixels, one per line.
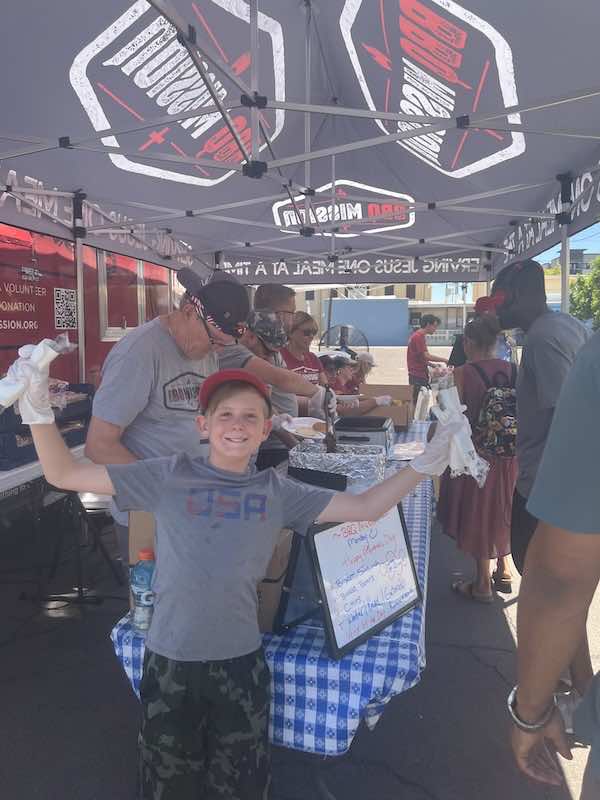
[
  {"x": 223, "y": 300},
  {"x": 527, "y": 276}
]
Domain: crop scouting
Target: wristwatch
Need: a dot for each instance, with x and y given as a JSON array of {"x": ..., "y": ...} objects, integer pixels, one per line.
[{"x": 529, "y": 727}]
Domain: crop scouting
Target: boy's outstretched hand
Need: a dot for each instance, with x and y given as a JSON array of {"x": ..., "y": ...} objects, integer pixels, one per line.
[
  {"x": 436, "y": 456},
  {"x": 374, "y": 502}
]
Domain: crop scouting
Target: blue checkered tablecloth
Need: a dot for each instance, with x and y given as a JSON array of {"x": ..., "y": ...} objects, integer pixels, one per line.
[{"x": 316, "y": 702}]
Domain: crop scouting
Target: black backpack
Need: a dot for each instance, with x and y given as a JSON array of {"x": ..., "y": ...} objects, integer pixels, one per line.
[{"x": 496, "y": 430}]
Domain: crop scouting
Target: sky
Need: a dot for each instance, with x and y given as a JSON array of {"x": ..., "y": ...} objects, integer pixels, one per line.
[{"x": 588, "y": 239}]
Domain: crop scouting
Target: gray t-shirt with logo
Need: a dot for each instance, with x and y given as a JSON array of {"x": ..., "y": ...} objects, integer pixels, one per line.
[
  {"x": 551, "y": 344},
  {"x": 216, "y": 532},
  {"x": 150, "y": 389}
]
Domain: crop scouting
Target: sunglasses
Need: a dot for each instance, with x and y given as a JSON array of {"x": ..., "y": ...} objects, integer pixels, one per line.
[{"x": 309, "y": 332}]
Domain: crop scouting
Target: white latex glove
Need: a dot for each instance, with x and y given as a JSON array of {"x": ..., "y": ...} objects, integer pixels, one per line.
[
  {"x": 32, "y": 368},
  {"x": 436, "y": 456},
  {"x": 316, "y": 404},
  {"x": 384, "y": 400},
  {"x": 278, "y": 420},
  {"x": 15, "y": 382}
]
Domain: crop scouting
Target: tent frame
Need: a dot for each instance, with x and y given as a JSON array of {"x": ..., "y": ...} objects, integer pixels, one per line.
[{"x": 251, "y": 166}]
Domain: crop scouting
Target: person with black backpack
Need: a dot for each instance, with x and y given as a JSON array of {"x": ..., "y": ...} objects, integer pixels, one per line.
[{"x": 479, "y": 519}]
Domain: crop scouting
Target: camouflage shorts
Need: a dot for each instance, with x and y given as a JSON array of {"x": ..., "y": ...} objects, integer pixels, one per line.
[{"x": 204, "y": 729}]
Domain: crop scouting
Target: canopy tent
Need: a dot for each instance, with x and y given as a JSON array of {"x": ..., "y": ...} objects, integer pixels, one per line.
[{"x": 303, "y": 141}]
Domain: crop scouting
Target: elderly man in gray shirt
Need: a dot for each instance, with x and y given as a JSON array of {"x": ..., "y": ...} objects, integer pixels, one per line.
[{"x": 147, "y": 402}]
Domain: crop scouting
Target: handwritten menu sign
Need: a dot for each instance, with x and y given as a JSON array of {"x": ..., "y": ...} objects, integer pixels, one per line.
[{"x": 366, "y": 576}]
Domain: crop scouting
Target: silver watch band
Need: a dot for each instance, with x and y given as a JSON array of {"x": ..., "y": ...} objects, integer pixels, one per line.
[{"x": 528, "y": 727}]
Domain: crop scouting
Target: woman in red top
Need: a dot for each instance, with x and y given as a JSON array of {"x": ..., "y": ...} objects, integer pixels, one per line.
[
  {"x": 479, "y": 519},
  {"x": 297, "y": 355}
]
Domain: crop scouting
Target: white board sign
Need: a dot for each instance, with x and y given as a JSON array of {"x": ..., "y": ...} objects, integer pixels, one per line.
[{"x": 366, "y": 575}]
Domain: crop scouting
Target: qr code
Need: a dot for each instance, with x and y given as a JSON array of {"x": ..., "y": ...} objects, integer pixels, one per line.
[{"x": 65, "y": 309}]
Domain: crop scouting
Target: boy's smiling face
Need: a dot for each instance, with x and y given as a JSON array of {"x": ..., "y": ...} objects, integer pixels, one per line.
[{"x": 236, "y": 427}]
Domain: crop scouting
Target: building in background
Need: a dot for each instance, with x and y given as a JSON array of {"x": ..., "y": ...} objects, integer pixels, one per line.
[
  {"x": 581, "y": 261},
  {"x": 453, "y": 303}
]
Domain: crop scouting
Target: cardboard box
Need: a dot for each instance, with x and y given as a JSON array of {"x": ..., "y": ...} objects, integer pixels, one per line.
[
  {"x": 269, "y": 589},
  {"x": 402, "y": 412}
]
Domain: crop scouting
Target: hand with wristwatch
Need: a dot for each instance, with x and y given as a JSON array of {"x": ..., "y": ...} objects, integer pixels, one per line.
[{"x": 536, "y": 739}]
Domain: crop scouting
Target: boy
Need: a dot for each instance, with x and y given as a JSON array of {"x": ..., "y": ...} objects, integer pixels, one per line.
[{"x": 205, "y": 687}]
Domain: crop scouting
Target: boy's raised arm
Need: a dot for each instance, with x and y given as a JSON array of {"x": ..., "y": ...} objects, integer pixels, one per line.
[
  {"x": 372, "y": 504},
  {"x": 61, "y": 469}
]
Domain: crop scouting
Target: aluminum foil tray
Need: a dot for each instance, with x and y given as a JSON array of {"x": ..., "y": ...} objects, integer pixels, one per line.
[{"x": 361, "y": 464}]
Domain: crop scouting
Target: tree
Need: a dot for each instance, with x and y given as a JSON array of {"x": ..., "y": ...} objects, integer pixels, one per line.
[{"x": 585, "y": 296}]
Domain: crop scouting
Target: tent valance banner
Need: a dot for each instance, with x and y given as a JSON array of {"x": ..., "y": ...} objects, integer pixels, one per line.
[
  {"x": 348, "y": 270},
  {"x": 429, "y": 138}
]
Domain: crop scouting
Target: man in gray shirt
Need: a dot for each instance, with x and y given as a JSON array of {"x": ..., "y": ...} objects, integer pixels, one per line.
[
  {"x": 147, "y": 402},
  {"x": 552, "y": 341},
  {"x": 563, "y": 571}
]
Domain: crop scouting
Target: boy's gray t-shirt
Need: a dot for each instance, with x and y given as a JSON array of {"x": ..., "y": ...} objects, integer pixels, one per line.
[
  {"x": 550, "y": 348},
  {"x": 150, "y": 389},
  {"x": 215, "y": 534}
]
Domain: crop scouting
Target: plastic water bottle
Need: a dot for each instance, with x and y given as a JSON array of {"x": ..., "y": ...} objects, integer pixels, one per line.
[{"x": 143, "y": 597}]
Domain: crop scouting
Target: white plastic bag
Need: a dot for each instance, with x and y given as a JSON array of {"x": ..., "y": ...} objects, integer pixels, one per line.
[
  {"x": 424, "y": 404},
  {"x": 464, "y": 459}
]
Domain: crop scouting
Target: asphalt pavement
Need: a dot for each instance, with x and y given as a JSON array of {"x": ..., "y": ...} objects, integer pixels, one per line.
[{"x": 69, "y": 718}]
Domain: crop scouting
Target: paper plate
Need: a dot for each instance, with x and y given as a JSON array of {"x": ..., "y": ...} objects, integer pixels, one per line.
[
  {"x": 302, "y": 427},
  {"x": 406, "y": 451}
]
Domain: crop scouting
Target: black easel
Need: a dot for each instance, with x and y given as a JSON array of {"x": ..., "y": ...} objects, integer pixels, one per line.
[{"x": 71, "y": 522}]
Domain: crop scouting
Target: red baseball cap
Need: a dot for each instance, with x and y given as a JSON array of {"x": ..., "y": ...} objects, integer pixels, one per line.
[
  {"x": 217, "y": 379},
  {"x": 489, "y": 303}
]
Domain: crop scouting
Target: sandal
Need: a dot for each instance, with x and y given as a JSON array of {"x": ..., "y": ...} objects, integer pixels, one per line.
[
  {"x": 466, "y": 589},
  {"x": 503, "y": 585}
]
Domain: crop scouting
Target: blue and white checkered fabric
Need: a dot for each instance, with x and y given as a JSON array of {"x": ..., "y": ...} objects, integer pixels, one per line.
[{"x": 317, "y": 703}]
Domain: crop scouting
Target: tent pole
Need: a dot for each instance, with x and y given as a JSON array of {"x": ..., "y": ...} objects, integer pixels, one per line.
[
  {"x": 196, "y": 212},
  {"x": 255, "y": 143},
  {"x": 564, "y": 218},
  {"x": 333, "y": 206},
  {"x": 474, "y": 121},
  {"x": 307, "y": 117},
  {"x": 38, "y": 208},
  {"x": 30, "y": 190},
  {"x": 329, "y": 309},
  {"x": 565, "y": 268},
  {"x": 78, "y": 232}
]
